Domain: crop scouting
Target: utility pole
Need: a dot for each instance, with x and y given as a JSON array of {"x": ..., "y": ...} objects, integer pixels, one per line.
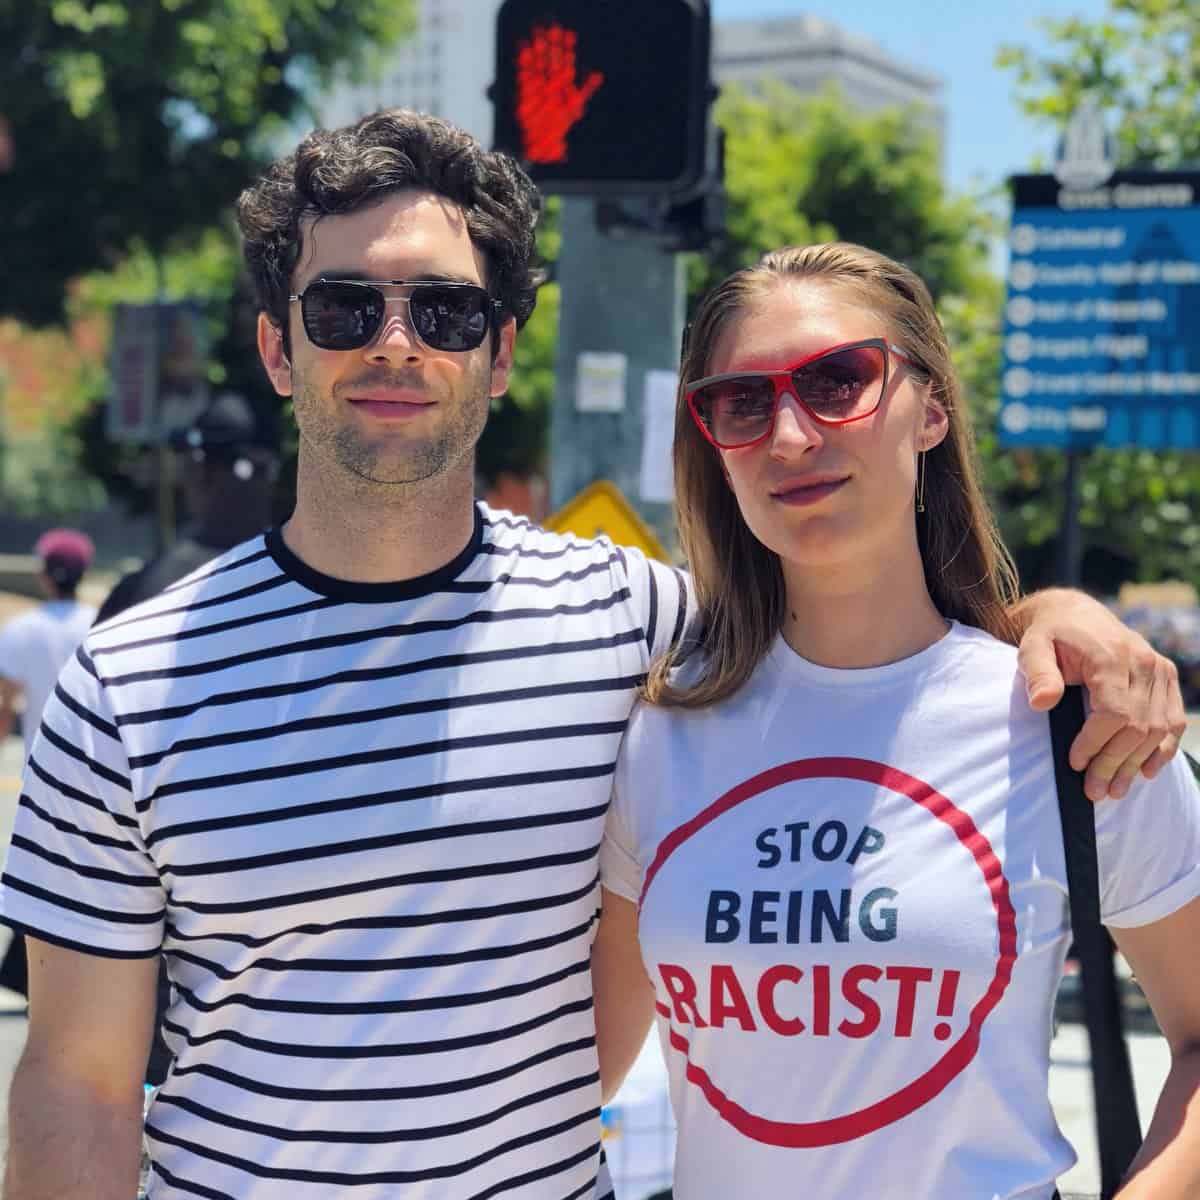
[
  {"x": 583, "y": 99},
  {"x": 621, "y": 296}
]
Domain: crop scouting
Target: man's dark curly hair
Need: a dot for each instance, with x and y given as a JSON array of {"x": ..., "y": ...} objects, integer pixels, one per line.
[{"x": 344, "y": 170}]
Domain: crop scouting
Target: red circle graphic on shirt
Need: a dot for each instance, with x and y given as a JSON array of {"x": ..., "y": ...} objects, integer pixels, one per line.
[{"x": 925, "y": 1087}]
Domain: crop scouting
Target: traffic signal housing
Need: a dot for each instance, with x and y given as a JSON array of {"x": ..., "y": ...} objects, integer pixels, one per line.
[{"x": 604, "y": 97}]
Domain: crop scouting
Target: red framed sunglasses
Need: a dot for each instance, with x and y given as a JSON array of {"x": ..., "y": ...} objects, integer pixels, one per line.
[{"x": 836, "y": 386}]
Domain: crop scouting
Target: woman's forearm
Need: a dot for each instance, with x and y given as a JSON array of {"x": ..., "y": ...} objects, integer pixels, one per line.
[{"x": 1168, "y": 1165}]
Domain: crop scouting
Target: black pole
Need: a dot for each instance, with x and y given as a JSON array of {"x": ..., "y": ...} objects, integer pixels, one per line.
[{"x": 1070, "y": 543}]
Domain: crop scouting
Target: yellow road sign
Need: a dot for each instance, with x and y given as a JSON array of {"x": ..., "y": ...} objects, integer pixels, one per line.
[{"x": 601, "y": 509}]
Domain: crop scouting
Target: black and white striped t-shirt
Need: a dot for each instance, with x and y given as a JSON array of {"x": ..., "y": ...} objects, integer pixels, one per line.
[{"x": 362, "y": 822}]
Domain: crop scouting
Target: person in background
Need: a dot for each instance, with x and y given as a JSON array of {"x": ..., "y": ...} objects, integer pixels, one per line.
[
  {"x": 35, "y": 645},
  {"x": 230, "y": 468},
  {"x": 33, "y": 648}
]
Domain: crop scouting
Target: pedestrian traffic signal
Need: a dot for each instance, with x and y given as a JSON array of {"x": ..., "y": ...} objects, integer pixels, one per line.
[{"x": 604, "y": 97}]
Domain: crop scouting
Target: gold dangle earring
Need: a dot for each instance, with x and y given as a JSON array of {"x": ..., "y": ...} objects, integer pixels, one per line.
[{"x": 921, "y": 481}]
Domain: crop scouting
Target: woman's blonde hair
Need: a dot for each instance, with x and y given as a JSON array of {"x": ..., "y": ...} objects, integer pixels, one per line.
[{"x": 739, "y": 582}]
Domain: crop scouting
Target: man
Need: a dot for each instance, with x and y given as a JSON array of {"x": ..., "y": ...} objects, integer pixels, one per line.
[
  {"x": 352, "y": 777},
  {"x": 33, "y": 649},
  {"x": 230, "y": 465}
]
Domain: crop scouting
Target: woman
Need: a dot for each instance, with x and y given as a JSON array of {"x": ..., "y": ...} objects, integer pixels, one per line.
[{"x": 834, "y": 825}]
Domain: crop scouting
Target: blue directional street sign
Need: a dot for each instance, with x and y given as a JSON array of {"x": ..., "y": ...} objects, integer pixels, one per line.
[{"x": 1102, "y": 322}]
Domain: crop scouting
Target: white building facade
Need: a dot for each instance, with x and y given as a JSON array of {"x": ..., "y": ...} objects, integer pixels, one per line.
[
  {"x": 445, "y": 67},
  {"x": 811, "y": 54}
]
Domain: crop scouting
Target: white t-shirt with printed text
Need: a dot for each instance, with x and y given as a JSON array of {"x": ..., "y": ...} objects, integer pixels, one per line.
[{"x": 854, "y": 913}]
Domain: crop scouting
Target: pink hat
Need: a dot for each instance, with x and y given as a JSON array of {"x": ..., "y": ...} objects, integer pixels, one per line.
[{"x": 65, "y": 553}]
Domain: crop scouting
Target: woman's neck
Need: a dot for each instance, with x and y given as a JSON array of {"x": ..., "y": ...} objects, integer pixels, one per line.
[{"x": 860, "y": 615}]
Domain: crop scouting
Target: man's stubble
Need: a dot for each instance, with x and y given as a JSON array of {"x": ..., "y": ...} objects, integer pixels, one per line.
[{"x": 353, "y": 461}]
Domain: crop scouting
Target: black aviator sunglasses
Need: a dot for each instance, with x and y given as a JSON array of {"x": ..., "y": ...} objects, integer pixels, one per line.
[{"x": 347, "y": 314}]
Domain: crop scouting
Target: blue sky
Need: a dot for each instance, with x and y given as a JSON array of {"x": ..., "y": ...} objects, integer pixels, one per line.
[{"x": 987, "y": 138}]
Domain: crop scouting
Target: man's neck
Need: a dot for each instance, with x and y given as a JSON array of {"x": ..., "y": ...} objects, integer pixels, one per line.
[{"x": 380, "y": 534}]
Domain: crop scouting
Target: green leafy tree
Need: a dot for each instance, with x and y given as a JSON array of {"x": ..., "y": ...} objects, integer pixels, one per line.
[
  {"x": 139, "y": 121},
  {"x": 1141, "y": 62},
  {"x": 803, "y": 168}
]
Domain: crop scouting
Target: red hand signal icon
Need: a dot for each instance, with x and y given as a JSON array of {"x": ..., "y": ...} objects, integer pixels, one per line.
[{"x": 550, "y": 101}]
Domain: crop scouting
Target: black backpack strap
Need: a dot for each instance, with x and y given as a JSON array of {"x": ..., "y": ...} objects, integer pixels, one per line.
[
  {"x": 1193, "y": 765},
  {"x": 1118, "y": 1130}
]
